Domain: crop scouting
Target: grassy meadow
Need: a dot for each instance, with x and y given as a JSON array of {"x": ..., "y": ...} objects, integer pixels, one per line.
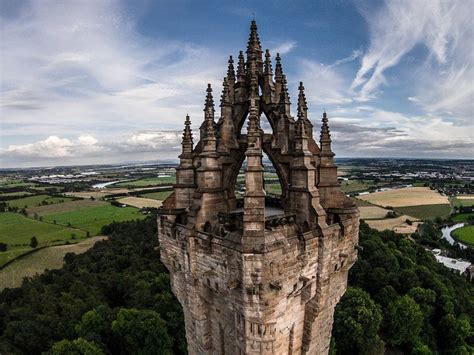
[
  {"x": 17, "y": 230},
  {"x": 92, "y": 219},
  {"x": 39, "y": 261},
  {"x": 426, "y": 211},
  {"x": 464, "y": 234},
  {"x": 37, "y": 200},
  {"x": 146, "y": 182}
]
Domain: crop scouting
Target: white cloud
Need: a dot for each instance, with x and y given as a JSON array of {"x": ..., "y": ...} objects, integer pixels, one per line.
[
  {"x": 323, "y": 83},
  {"x": 82, "y": 67},
  {"x": 284, "y": 48},
  {"x": 149, "y": 145},
  {"x": 444, "y": 79}
]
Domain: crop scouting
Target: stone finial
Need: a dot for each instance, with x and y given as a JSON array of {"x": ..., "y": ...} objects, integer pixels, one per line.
[
  {"x": 209, "y": 113},
  {"x": 253, "y": 121},
  {"x": 325, "y": 132},
  {"x": 241, "y": 67},
  {"x": 230, "y": 70},
  {"x": 301, "y": 129},
  {"x": 268, "y": 63},
  {"x": 187, "y": 132},
  {"x": 302, "y": 105},
  {"x": 284, "y": 96},
  {"x": 225, "y": 97},
  {"x": 278, "y": 69},
  {"x": 187, "y": 142}
]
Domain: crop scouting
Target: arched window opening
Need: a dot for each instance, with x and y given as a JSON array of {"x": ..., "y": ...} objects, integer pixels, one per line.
[
  {"x": 272, "y": 186},
  {"x": 264, "y": 125}
]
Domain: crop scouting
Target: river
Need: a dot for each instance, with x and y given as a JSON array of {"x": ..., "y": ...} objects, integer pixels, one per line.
[
  {"x": 103, "y": 185},
  {"x": 447, "y": 233}
]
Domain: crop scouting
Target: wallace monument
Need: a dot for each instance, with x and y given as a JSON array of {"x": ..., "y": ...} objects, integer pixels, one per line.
[{"x": 262, "y": 275}]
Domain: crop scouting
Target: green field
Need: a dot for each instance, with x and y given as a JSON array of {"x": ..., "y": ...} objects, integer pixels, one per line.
[
  {"x": 37, "y": 200},
  {"x": 462, "y": 202},
  {"x": 462, "y": 217},
  {"x": 464, "y": 234},
  {"x": 273, "y": 188},
  {"x": 425, "y": 211},
  {"x": 14, "y": 183},
  {"x": 356, "y": 185},
  {"x": 42, "y": 259},
  {"x": 360, "y": 203},
  {"x": 92, "y": 219},
  {"x": 147, "y": 182},
  {"x": 17, "y": 230},
  {"x": 14, "y": 194},
  {"x": 161, "y": 195}
]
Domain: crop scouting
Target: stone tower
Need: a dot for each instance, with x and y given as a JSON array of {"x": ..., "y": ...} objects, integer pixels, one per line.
[{"x": 251, "y": 279}]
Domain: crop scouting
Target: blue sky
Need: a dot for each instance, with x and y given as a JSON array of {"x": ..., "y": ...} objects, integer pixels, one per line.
[{"x": 92, "y": 81}]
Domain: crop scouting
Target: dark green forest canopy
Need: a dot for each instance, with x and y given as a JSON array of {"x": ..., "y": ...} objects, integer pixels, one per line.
[
  {"x": 117, "y": 285},
  {"x": 116, "y": 298}
]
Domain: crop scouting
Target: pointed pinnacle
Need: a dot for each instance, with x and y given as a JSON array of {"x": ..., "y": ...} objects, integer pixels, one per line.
[
  {"x": 278, "y": 68},
  {"x": 241, "y": 66},
  {"x": 230, "y": 69},
  {"x": 225, "y": 97},
  {"x": 285, "y": 97},
  {"x": 187, "y": 133},
  {"x": 302, "y": 105},
  {"x": 254, "y": 42},
  {"x": 209, "y": 99},
  {"x": 325, "y": 131},
  {"x": 268, "y": 63}
]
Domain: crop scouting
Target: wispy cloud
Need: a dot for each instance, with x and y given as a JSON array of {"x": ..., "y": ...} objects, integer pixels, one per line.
[
  {"x": 443, "y": 27},
  {"x": 284, "y": 48},
  {"x": 82, "y": 67}
]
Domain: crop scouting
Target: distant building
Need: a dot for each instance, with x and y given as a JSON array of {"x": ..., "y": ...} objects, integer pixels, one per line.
[{"x": 456, "y": 265}]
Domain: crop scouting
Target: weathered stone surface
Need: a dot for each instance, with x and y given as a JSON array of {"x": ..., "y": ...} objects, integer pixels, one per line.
[{"x": 251, "y": 283}]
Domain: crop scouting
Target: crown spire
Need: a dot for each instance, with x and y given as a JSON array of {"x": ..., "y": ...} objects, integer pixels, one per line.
[{"x": 253, "y": 47}]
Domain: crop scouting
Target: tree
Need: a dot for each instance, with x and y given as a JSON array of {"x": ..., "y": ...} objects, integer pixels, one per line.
[
  {"x": 95, "y": 324},
  {"x": 142, "y": 332},
  {"x": 402, "y": 321},
  {"x": 76, "y": 347},
  {"x": 358, "y": 315},
  {"x": 33, "y": 242},
  {"x": 453, "y": 333}
]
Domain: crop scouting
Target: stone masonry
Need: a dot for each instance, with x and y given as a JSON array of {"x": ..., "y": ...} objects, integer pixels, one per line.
[{"x": 252, "y": 283}]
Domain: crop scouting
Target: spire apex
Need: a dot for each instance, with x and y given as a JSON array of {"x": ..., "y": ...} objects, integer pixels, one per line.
[{"x": 254, "y": 48}]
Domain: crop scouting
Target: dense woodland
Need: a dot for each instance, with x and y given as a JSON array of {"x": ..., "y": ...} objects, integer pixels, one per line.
[{"x": 116, "y": 298}]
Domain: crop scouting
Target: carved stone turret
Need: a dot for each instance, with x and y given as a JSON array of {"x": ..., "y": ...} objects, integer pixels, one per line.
[{"x": 261, "y": 274}]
